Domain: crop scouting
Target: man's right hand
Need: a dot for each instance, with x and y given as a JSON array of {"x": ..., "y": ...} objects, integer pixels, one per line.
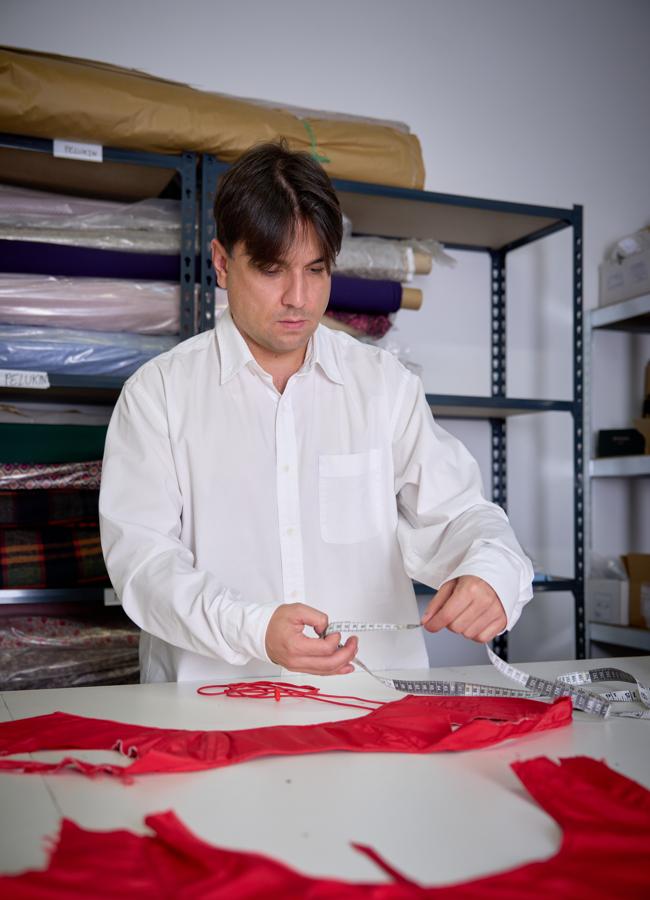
[{"x": 287, "y": 646}]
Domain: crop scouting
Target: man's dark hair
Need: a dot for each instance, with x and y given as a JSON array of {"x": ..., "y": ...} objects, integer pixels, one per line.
[{"x": 268, "y": 195}]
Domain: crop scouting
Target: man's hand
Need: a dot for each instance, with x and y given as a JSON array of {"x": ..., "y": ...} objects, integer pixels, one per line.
[
  {"x": 287, "y": 646},
  {"x": 467, "y": 606}
]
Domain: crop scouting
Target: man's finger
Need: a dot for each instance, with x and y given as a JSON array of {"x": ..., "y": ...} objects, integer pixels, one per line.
[
  {"x": 452, "y": 609},
  {"x": 329, "y": 665},
  {"x": 306, "y": 646},
  {"x": 444, "y": 592},
  {"x": 491, "y": 631},
  {"x": 307, "y": 615},
  {"x": 471, "y": 627}
]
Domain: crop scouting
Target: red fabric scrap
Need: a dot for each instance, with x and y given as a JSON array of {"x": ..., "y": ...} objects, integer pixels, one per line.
[
  {"x": 605, "y": 818},
  {"x": 409, "y": 725}
]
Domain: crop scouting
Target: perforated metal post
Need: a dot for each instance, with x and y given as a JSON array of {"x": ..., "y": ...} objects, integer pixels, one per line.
[
  {"x": 188, "y": 245},
  {"x": 578, "y": 435},
  {"x": 498, "y": 375},
  {"x": 209, "y": 172}
]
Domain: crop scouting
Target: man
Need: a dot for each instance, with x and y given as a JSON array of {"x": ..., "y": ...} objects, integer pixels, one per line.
[{"x": 270, "y": 476}]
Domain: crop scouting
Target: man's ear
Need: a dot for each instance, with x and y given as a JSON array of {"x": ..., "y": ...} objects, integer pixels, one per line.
[{"x": 220, "y": 263}]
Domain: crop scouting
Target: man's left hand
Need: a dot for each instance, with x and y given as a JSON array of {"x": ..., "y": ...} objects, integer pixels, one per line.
[{"x": 467, "y": 606}]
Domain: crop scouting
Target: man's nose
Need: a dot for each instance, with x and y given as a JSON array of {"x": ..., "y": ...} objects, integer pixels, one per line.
[{"x": 295, "y": 293}]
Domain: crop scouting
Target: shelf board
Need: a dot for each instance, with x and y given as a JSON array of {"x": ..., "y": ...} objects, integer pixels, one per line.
[
  {"x": 620, "y": 467},
  {"x": 462, "y": 222},
  {"x": 555, "y": 583},
  {"x": 101, "y": 389},
  {"x": 628, "y": 315},
  {"x": 620, "y": 635},
  {"x": 30, "y": 596},
  {"x": 450, "y": 406}
]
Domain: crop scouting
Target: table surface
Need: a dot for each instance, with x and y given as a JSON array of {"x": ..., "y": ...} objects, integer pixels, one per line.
[{"x": 439, "y": 818}]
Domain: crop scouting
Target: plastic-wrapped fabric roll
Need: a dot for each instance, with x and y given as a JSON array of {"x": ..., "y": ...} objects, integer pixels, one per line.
[
  {"x": 62, "y": 351},
  {"x": 45, "y": 95},
  {"x": 128, "y": 241},
  {"x": 52, "y": 476},
  {"x": 102, "y": 304},
  {"x": 54, "y": 259},
  {"x": 68, "y": 651},
  {"x": 51, "y": 414},
  {"x": 376, "y": 258},
  {"x": 53, "y": 556},
  {"x": 149, "y": 225},
  {"x": 51, "y": 443},
  {"x": 40, "y": 507},
  {"x": 361, "y": 295}
]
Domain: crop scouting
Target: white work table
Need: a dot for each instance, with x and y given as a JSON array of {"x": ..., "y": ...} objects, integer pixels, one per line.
[{"x": 439, "y": 818}]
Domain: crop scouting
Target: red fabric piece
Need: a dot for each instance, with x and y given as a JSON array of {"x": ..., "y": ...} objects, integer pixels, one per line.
[
  {"x": 605, "y": 818},
  {"x": 410, "y": 725}
]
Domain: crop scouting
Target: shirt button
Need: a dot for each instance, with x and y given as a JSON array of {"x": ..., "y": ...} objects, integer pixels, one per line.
[
  {"x": 291, "y": 532},
  {"x": 294, "y": 594},
  {"x": 285, "y": 468}
]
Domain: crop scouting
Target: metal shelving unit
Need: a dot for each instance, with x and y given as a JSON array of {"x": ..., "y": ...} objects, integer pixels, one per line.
[
  {"x": 487, "y": 226},
  {"x": 633, "y": 317},
  {"x": 96, "y": 389}
]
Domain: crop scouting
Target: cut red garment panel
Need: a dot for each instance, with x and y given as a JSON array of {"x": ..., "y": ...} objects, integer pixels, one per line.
[
  {"x": 605, "y": 818},
  {"x": 410, "y": 725}
]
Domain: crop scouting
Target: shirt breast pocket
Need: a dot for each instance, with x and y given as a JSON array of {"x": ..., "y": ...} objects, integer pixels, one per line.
[{"x": 350, "y": 494}]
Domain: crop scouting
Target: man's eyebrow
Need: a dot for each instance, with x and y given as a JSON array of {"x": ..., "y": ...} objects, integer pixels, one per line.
[{"x": 314, "y": 262}]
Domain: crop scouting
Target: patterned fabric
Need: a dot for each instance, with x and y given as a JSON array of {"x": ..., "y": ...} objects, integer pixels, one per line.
[
  {"x": 604, "y": 817},
  {"x": 372, "y": 326},
  {"x": 53, "y": 556},
  {"x": 23, "y": 476},
  {"x": 50, "y": 651},
  {"x": 40, "y": 507}
]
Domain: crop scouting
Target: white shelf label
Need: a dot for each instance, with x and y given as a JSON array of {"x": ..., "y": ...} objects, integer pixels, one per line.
[
  {"x": 111, "y": 598},
  {"x": 14, "y": 378},
  {"x": 77, "y": 150}
]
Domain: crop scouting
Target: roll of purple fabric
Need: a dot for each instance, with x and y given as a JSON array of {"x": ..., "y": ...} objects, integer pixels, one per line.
[
  {"x": 35, "y": 258},
  {"x": 363, "y": 295}
]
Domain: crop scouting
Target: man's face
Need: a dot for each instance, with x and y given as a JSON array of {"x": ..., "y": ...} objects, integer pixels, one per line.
[{"x": 278, "y": 309}]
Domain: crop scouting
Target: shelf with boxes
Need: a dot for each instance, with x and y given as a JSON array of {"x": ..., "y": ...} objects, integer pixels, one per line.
[
  {"x": 495, "y": 228},
  {"x": 618, "y": 588}
]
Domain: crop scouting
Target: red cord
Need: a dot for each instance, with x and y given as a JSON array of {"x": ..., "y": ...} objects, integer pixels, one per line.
[{"x": 275, "y": 690}]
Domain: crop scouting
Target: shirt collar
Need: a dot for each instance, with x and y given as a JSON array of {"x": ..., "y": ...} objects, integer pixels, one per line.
[{"x": 235, "y": 353}]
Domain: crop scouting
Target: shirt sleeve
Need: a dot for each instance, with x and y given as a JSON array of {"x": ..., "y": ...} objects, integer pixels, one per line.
[
  {"x": 152, "y": 571},
  {"x": 446, "y": 527}
]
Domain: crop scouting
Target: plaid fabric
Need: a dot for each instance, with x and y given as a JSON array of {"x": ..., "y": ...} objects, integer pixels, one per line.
[
  {"x": 54, "y": 556},
  {"x": 39, "y": 508},
  {"x": 25, "y": 476}
]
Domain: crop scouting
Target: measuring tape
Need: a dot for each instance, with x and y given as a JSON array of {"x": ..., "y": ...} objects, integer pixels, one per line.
[{"x": 568, "y": 685}]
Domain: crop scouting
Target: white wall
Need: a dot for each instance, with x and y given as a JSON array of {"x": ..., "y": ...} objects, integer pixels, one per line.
[{"x": 541, "y": 102}]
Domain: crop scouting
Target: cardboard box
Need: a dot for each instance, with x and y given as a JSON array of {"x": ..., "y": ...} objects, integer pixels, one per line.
[
  {"x": 638, "y": 570},
  {"x": 625, "y": 279},
  {"x": 608, "y": 601},
  {"x": 643, "y": 425}
]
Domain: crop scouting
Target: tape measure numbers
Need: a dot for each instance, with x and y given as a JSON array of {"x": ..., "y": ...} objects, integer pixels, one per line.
[{"x": 567, "y": 685}]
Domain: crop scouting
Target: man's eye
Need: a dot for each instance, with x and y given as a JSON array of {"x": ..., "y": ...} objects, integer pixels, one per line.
[
  {"x": 269, "y": 271},
  {"x": 318, "y": 270}
]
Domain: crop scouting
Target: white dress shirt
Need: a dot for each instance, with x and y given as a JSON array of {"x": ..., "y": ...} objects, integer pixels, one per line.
[{"x": 222, "y": 498}]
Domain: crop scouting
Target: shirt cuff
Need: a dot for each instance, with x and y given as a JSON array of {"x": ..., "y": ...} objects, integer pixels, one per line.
[
  {"x": 243, "y": 626},
  {"x": 504, "y": 579}
]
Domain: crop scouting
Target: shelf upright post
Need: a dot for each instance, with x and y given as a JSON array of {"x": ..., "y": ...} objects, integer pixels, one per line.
[
  {"x": 578, "y": 441},
  {"x": 209, "y": 172},
  {"x": 188, "y": 244},
  {"x": 498, "y": 377}
]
